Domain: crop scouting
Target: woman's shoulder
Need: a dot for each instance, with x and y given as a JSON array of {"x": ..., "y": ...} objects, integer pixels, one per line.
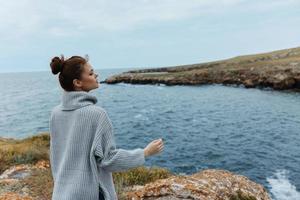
[
  {"x": 54, "y": 110},
  {"x": 98, "y": 114},
  {"x": 96, "y": 110}
]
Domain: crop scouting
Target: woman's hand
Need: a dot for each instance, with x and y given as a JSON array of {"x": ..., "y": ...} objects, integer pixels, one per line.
[{"x": 154, "y": 147}]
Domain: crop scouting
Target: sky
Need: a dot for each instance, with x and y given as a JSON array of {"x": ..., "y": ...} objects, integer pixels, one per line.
[{"x": 142, "y": 33}]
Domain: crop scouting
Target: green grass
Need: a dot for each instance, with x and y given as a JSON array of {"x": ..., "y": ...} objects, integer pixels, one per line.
[
  {"x": 141, "y": 175},
  {"x": 138, "y": 176},
  {"x": 241, "y": 196}
]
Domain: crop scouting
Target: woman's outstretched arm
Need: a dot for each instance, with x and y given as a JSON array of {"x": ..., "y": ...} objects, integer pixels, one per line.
[{"x": 107, "y": 155}]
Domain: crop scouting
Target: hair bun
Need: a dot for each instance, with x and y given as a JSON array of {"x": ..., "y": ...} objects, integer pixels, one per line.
[{"x": 57, "y": 64}]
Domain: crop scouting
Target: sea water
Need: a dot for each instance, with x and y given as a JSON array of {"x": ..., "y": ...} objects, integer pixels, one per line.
[{"x": 251, "y": 132}]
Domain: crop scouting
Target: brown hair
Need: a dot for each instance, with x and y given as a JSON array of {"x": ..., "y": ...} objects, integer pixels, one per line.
[{"x": 68, "y": 70}]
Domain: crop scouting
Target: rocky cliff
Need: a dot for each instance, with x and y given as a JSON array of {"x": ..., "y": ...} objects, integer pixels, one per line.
[{"x": 34, "y": 182}]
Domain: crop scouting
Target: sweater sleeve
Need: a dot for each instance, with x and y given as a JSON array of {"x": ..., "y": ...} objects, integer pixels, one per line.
[{"x": 107, "y": 155}]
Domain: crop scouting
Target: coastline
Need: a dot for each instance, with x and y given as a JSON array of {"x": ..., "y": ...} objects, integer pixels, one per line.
[
  {"x": 279, "y": 70},
  {"x": 25, "y": 174}
]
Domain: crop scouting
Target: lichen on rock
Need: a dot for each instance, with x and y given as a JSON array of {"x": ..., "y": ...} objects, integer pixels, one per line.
[{"x": 205, "y": 185}]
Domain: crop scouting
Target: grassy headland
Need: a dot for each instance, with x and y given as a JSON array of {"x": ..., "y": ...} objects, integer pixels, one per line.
[{"x": 279, "y": 70}]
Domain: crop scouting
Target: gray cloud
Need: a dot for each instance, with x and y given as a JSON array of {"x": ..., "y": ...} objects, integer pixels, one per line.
[{"x": 23, "y": 18}]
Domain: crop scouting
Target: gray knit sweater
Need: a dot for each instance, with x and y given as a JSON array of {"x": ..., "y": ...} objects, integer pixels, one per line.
[{"x": 83, "y": 152}]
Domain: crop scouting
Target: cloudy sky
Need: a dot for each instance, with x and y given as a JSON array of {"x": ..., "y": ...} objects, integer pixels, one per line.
[{"x": 142, "y": 33}]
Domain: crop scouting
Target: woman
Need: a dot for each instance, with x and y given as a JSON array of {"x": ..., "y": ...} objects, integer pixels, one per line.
[{"x": 83, "y": 152}]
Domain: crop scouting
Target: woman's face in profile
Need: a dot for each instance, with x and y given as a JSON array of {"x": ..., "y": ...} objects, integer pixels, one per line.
[{"x": 88, "y": 79}]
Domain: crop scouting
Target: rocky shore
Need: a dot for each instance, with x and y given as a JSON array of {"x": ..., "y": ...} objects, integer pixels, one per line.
[
  {"x": 27, "y": 176},
  {"x": 279, "y": 70}
]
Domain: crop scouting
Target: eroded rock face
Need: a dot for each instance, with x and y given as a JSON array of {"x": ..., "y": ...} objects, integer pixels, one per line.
[
  {"x": 11, "y": 177},
  {"x": 205, "y": 185},
  {"x": 21, "y": 171}
]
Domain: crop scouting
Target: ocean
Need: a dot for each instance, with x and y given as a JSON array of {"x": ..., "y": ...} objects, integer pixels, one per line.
[{"x": 252, "y": 132}]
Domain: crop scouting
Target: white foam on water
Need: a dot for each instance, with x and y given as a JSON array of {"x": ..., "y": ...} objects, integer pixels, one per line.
[
  {"x": 281, "y": 188},
  {"x": 161, "y": 86},
  {"x": 141, "y": 117},
  {"x": 148, "y": 110},
  {"x": 130, "y": 85},
  {"x": 138, "y": 116}
]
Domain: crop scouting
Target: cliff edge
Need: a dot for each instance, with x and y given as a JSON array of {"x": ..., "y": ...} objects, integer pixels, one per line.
[{"x": 25, "y": 175}]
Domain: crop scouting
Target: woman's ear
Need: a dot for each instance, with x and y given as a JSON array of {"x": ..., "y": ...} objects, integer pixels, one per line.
[{"x": 77, "y": 83}]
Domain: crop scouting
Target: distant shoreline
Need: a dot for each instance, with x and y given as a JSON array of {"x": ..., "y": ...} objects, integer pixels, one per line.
[{"x": 279, "y": 70}]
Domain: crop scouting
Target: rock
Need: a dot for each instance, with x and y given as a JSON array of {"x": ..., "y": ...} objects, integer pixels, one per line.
[
  {"x": 297, "y": 80},
  {"x": 283, "y": 81},
  {"x": 15, "y": 172},
  {"x": 14, "y": 196},
  {"x": 21, "y": 171},
  {"x": 204, "y": 185},
  {"x": 12, "y": 176},
  {"x": 249, "y": 83}
]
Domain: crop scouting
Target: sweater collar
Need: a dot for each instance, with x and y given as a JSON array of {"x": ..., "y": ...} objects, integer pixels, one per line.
[{"x": 76, "y": 99}]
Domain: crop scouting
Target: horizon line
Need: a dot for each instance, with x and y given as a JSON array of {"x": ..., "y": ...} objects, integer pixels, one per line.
[
  {"x": 8, "y": 72},
  {"x": 149, "y": 67}
]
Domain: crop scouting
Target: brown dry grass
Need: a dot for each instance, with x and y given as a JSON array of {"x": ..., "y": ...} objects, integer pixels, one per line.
[
  {"x": 138, "y": 176},
  {"x": 24, "y": 151},
  {"x": 40, "y": 183}
]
